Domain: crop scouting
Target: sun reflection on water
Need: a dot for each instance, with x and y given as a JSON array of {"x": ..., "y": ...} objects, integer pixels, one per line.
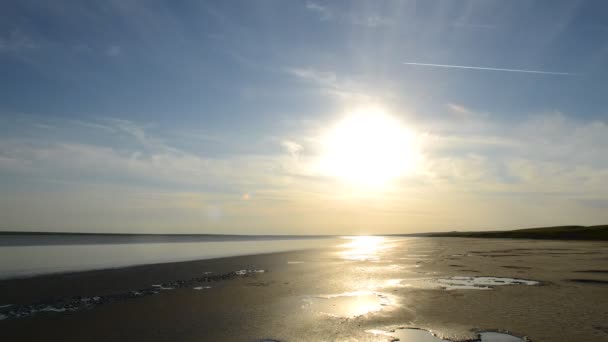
[
  {"x": 350, "y": 304},
  {"x": 364, "y": 248}
]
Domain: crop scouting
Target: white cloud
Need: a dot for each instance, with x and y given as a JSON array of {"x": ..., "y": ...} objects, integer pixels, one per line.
[
  {"x": 292, "y": 147},
  {"x": 546, "y": 154}
]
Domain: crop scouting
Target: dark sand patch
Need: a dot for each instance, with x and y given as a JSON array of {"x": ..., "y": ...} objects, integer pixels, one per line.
[
  {"x": 531, "y": 251},
  {"x": 500, "y": 255},
  {"x": 602, "y": 328},
  {"x": 593, "y": 271},
  {"x": 517, "y": 267},
  {"x": 589, "y": 281},
  {"x": 78, "y": 303},
  {"x": 258, "y": 284}
]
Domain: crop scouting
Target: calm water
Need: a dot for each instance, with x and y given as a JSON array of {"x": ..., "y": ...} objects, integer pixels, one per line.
[{"x": 27, "y": 260}]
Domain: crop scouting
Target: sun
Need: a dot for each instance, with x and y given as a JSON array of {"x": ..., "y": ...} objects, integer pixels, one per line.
[{"x": 368, "y": 147}]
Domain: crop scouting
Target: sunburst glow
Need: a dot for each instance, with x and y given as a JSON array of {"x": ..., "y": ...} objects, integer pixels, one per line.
[
  {"x": 368, "y": 147},
  {"x": 364, "y": 248}
]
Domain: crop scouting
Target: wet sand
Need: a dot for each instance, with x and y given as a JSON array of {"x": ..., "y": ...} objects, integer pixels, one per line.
[{"x": 334, "y": 294}]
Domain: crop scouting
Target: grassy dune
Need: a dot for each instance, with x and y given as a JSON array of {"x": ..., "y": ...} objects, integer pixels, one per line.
[{"x": 553, "y": 233}]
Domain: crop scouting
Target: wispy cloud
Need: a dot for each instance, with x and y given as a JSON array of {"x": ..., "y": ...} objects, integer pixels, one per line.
[
  {"x": 138, "y": 133},
  {"x": 324, "y": 12},
  {"x": 16, "y": 40},
  {"x": 352, "y": 17},
  {"x": 474, "y": 26},
  {"x": 123, "y": 151},
  {"x": 342, "y": 88},
  {"x": 113, "y": 50},
  {"x": 454, "y": 66},
  {"x": 371, "y": 20},
  {"x": 459, "y": 109},
  {"x": 325, "y": 78}
]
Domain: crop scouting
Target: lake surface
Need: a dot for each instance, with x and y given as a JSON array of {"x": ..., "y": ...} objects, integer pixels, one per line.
[{"x": 34, "y": 255}]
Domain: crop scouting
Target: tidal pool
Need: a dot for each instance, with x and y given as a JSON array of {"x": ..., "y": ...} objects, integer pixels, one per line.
[
  {"x": 420, "y": 335},
  {"x": 201, "y": 287},
  {"x": 480, "y": 283},
  {"x": 470, "y": 283}
]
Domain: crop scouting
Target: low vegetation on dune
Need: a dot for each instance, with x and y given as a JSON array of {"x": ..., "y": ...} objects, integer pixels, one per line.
[{"x": 555, "y": 233}]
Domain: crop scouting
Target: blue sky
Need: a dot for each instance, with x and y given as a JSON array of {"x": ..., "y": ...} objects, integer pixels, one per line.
[{"x": 190, "y": 116}]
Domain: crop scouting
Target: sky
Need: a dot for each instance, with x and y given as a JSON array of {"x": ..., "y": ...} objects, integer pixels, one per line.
[{"x": 214, "y": 116}]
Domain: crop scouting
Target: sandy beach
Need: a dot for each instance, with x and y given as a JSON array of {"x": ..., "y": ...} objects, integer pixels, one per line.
[{"x": 360, "y": 290}]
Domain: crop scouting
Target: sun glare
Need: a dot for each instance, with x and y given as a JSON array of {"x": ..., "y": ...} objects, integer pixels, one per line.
[
  {"x": 363, "y": 247},
  {"x": 368, "y": 147}
]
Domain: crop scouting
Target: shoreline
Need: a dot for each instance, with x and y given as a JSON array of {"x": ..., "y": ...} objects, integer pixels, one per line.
[
  {"x": 123, "y": 278},
  {"x": 25, "y": 261},
  {"x": 133, "y": 266}
]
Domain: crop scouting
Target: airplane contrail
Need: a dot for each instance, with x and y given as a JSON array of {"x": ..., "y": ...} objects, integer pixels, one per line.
[{"x": 491, "y": 69}]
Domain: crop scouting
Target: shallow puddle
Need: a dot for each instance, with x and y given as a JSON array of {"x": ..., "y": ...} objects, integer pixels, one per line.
[
  {"x": 351, "y": 304},
  {"x": 480, "y": 283},
  {"x": 163, "y": 287},
  {"x": 201, "y": 287},
  {"x": 472, "y": 283},
  {"x": 499, "y": 337},
  {"x": 402, "y": 266},
  {"x": 245, "y": 272},
  {"x": 419, "y": 335}
]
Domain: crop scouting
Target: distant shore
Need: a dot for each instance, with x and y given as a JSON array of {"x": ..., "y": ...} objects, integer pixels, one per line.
[{"x": 16, "y": 238}]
